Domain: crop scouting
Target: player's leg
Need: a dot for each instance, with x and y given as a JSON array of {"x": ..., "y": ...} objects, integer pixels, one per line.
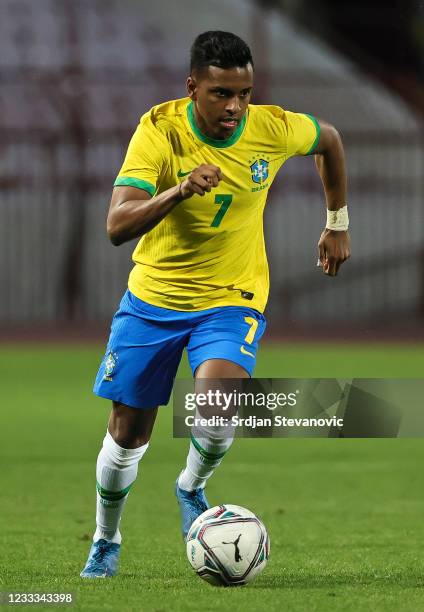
[
  {"x": 208, "y": 446},
  {"x": 223, "y": 346},
  {"x": 126, "y": 441},
  {"x": 137, "y": 374}
]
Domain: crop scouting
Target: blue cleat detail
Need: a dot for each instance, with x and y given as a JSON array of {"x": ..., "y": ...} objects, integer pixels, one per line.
[
  {"x": 102, "y": 560},
  {"x": 192, "y": 504}
]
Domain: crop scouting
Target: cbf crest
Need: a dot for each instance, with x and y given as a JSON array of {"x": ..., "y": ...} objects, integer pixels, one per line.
[
  {"x": 259, "y": 170},
  {"x": 110, "y": 365}
]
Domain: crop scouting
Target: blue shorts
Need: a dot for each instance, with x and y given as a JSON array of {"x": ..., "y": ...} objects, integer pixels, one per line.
[{"x": 146, "y": 344}]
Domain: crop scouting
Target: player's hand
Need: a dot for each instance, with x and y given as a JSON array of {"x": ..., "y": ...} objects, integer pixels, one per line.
[
  {"x": 201, "y": 180},
  {"x": 334, "y": 249}
]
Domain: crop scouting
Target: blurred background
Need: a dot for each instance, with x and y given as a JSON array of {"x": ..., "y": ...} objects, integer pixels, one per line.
[{"x": 77, "y": 75}]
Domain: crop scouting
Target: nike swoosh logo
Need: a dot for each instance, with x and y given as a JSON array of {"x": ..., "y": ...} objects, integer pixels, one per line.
[
  {"x": 180, "y": 173},
  {"x": 243, "y": 350}
]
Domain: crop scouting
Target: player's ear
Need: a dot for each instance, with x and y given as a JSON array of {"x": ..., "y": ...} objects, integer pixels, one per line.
[{"x": 191, "y": 87}]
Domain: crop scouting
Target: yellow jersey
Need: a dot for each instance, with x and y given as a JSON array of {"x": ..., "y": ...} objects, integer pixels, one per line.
[{"x": 209, "y": 251}]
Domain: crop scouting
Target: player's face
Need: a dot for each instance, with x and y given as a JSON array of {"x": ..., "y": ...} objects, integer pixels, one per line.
[{"x": 220, "y": 98}]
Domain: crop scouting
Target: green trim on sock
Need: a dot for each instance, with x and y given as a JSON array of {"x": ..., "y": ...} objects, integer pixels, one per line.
[
  {"x": 112, "y": 495},
  {"x": 206, "y": 454}
]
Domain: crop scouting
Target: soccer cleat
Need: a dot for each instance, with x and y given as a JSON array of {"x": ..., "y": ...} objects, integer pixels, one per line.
[
  {"x": 192, "y": 504},
  {"x": 102, "y": 560}
]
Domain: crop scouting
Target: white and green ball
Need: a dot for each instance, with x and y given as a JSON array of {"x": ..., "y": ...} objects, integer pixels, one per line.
[{"x": 228, "y": 545}]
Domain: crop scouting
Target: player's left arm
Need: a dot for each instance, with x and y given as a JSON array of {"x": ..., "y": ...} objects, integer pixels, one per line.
[{"x": 333, "y": 245}]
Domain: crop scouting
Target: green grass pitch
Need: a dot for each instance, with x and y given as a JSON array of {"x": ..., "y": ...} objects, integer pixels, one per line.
[{"x": 345, "y": 517}]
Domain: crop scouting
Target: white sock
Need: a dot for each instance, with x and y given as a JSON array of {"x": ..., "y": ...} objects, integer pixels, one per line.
[
  {"x": 116, "y": 471},
  {"x": 207, "y": 448}
]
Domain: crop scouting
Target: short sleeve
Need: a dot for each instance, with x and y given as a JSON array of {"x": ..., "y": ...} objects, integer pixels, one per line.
[
  {"x": 146, "y": 158},
  {"x": 303, "y": 132}
]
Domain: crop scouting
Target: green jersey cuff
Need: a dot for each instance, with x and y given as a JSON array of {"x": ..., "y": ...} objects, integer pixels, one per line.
[
  {"x": 130, "y": 181},
  {"x": 318, "y": 129}
]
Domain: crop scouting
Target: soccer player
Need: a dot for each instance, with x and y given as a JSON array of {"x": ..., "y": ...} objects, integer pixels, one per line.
[{"x": 193, "y": 188}]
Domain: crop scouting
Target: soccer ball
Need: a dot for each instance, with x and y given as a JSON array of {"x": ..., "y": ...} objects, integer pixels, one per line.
[{"x": 228, "y": 545}]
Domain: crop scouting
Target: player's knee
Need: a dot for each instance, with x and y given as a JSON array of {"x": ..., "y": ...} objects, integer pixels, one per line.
[
  {"x": 131, "y": 427},
  {"x": 128, "y": 439}
]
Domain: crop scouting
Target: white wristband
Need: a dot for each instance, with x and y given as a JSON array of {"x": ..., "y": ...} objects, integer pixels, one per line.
[{"x": 338, "y": 220}]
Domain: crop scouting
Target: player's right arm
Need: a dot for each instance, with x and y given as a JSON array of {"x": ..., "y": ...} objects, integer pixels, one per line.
[{"x": 133, "y": 212}]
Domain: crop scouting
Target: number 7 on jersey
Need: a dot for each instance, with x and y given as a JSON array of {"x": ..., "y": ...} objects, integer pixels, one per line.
[{"x": 225, "y": 201}]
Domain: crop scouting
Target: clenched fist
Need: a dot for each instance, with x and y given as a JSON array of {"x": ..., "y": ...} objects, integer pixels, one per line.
[
  {"x": 200, "y": 181},
  {"x": 333, "y": 249}
]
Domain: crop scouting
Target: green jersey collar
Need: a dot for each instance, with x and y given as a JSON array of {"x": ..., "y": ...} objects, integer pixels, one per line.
[{"x": 214, "y": 142}]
